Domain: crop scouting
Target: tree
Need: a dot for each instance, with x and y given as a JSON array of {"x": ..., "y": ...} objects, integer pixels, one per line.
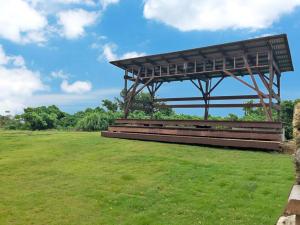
[
  {"x": 143, "y": 102},
  {"x": 109, "y": 105},
  {"x": 41, "y": 118}
]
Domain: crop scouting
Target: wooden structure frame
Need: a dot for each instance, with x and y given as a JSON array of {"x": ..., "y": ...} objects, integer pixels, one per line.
[{"x": 262, "y": 59}]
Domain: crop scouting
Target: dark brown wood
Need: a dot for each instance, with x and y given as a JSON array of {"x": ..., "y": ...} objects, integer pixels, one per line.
[
  {"x": 224, "y": 142},
  {"x": 243, "y": 82},
  {"x": 223, "y": 123},
  {"x": 231, "y": 97},
  {"x": 274, "y": 95},
  {"x": 260, "y": 94},
  {"x": 253, "y": 105},
  {"x": 128, "y": 99},
  {"x": 201, "y": 132},
  {"x": 216, "y": 85}
]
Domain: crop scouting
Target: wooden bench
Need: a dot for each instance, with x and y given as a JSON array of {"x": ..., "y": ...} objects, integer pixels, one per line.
[{"x": 241, "y": 134}]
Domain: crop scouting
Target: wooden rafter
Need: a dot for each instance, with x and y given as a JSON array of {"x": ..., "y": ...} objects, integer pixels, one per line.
[
  {"x": 128, "y": 99},
  {"x": 267, "y": 111}
]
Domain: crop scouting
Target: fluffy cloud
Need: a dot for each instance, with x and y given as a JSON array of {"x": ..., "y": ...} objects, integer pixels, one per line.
[
  {"x": 17, "y": 83},
  {"x": 31, "y": 21},
  {"x": 20, "y": 22},
  {"x": 110, "y": 55},
  {"x": 73, "y": 22},
  {"x": 59, "y": 74},
  {"x": 86, "y": 2},
  {"x": 106, "y": 3},
  {"x": 188, "y": 15},
  {"x": 77, "y": 87},
  {"x": 17, "y": 61}
]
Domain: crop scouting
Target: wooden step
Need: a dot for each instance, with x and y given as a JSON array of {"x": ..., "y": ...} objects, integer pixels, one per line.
[
  {"x": 210, "y": 123},
  {"x": 201, "y": 132},
  {"x": 225, "y": 142}
]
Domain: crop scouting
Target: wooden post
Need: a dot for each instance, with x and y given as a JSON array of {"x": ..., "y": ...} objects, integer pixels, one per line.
[
  {"x": 271, "y": 76},
  {"x": 125, "y": 91},
  {"x": 131, "y": 95},
  {"x": 278, "y": 94},
  {"x": 267, "y": 111},
  {"x": 206, "y": 98}
]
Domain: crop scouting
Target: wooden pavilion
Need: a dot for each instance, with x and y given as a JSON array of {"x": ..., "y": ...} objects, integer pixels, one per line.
[{"x": 263, "y": 60}]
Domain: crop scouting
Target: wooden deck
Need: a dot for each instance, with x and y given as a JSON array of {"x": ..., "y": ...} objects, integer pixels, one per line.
[{"x": 254, "y": 135}]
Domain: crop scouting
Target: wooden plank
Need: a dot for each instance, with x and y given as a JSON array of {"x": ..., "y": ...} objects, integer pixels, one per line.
[
  {"x": 235, "y": 134},
  {"x": 224, "y": 123},
  {"x": 233, "y": 97},
  {"x": 236, "y": 105},
  {"x": 224, "y": 142}
]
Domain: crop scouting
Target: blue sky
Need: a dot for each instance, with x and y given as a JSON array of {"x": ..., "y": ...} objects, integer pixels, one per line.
[{"x": 58, "y": 52}]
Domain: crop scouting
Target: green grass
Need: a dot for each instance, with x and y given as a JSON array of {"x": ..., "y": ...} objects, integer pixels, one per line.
[{"x": 80, "y": 178}]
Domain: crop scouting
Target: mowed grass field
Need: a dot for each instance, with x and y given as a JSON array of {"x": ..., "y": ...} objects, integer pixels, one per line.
[{"x": 80, "y": 178}]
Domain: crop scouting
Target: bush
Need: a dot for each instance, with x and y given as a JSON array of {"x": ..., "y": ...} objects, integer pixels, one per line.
[{"x": 97, "y": 121}]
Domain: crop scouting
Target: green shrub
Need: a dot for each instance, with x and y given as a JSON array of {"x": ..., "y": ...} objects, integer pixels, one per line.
[{"x": 97, "y": 121}]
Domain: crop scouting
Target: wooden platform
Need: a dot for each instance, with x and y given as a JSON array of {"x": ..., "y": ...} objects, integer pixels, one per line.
[{"x": 254, "y": 135}]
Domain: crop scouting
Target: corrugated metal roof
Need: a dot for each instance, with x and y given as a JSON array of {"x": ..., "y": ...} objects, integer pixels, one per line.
[{"x": 278, "y": 43}]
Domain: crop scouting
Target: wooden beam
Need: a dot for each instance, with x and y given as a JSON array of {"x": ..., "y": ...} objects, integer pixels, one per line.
[
  {"x": 273, "y": 94},
  {"x": 268, "y": 112},
  {"x": 251, "y": 105},
  {"x": 233, "y": 97},
  {"x": 131, "y": 95},
  {"x": 242, "y": 81},
  {"x": 218, "y": 82}
]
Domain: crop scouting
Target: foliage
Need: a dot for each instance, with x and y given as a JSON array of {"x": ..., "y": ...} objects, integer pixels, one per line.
[
  {"x": 287, "y": 111},
  {"x": 100, "y": 118},
  {"x": 43, "y": 117},
  {"x": 286, "y": 117},
  {"x": 96, "y": 121},
  {"x": 108, "y": 181},
  {"x": 4, "y": 120},
  {"x": 109, "y": 105},
  {"x": 143, "y": 102}
]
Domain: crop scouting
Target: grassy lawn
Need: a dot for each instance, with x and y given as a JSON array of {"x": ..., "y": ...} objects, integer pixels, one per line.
[{"x": 80, "y": 178}]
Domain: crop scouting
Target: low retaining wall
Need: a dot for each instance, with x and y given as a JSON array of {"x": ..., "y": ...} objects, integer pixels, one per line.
[{"x": 291, "y": 215}]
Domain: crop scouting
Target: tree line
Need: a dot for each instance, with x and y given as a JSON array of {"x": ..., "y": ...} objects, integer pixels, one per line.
[{"x": 99, "y": 118}]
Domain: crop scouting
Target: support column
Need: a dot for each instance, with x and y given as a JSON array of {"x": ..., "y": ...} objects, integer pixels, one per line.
[
  {"x": 279, "y": 97},
  {"x": 271, "y": 77},
  {"x": 130, "y": 94},
  {"x": 152, "y": 95},
  {"x": 125, "y": 90},
  {"x": 206, "y": 98}
]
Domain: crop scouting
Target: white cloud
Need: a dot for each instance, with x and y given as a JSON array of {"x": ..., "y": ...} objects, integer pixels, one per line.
[
  {"x": 106, "y": 3},
  {"x": 109, "y": 53},
  {"x": 17, "y": 61},
  {"x": 128, "y": 55},
  {"x": 36, "y": 21},
  {"x": 86, "y": 2},
  {"x": 74, "y": 22},
  {"x": 78, "y": 87},
  {"x": 188, "y": 15},
  {"x": 17, "y": 83},
  {"x": 20, "y": 22},
  {"x": 59, "y": 74}
]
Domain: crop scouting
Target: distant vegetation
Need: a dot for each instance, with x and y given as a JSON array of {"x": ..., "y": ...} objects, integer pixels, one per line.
[{"x": 99, "y": 118}]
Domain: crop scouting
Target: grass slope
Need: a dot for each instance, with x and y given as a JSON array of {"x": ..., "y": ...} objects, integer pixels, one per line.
[{"x": 81, "y": 178}]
